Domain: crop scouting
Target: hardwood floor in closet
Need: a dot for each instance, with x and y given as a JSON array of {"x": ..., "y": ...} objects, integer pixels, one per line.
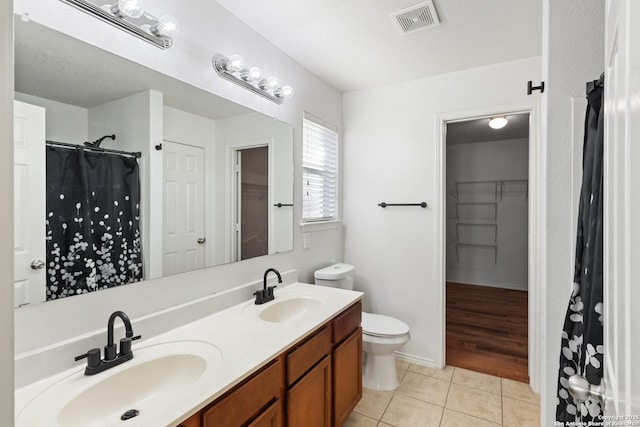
[{"x": 487, "y": 330}]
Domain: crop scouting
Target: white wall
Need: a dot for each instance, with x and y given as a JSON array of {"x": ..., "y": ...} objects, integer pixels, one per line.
[
  {"x": 246, "y": 129},
  {"x": 389, "y": 155},
  {"x": 6, "y": 215},
  {"x": 505, "y": 265},
  {"x": 205, "y": 31},
  {"x": 573, "y": 52},
  {"x": 64, "y": 122},
  {"x": 130, "y": 119}
]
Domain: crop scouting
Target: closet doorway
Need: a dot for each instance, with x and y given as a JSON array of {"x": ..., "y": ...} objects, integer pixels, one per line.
[
  {"x": 487, "y": 193},
  {"x": 252, "y": 202}
]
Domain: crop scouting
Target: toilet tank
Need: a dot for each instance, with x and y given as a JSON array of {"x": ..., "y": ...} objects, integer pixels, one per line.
[{"x": 335, "y": 276}]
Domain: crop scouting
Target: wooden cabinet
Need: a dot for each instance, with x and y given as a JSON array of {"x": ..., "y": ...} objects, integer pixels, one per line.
[
  {"x": 346, "y": 322},
  {"x": 315, "y": 383},
  {"x": 306, "y": 354},
  {"x": 193, "y": 421},
  {"x": 347, "y": 377},
  {"x": 247, "y": 402},
  {"x": 309, "y": 399},
  {"x": 271, "y": 417}
]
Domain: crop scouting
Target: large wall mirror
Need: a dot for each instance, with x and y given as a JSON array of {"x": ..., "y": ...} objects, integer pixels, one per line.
[{"x": 213, "y": 182}]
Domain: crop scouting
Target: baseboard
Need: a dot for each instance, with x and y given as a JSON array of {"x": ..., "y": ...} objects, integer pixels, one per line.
[{"x": 422, "y": 361}]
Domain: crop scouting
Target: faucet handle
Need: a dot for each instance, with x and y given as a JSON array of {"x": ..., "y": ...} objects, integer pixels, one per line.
[
  {"x": 263, "y": 295},
  {"x": 92, "y": 356},
  {"x": 110, "y": 351},
  {"x": 125, "y": 345}
]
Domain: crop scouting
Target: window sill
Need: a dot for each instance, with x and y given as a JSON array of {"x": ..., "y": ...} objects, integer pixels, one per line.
[{"x": 321, "y": 225}]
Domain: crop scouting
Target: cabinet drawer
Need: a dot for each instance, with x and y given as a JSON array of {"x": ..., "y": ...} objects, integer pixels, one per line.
[
  {"x": 271, "y": 417},
  {"x": 307, "y": 354},
  {"x": 348, "y": 321},
  {"x": 245, "y": 402}
]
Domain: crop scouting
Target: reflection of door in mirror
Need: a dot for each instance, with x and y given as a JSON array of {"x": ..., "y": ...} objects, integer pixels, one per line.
[
  {"x": 183, "y": 219},
  {"x": 253, "y": 209},
  {"x": 29, "y": 204}
]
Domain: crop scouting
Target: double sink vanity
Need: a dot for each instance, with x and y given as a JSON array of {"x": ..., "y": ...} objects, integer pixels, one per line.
[{"x": 295, "y": 360}]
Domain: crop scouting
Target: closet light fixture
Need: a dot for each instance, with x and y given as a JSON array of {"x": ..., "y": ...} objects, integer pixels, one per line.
[
  {"x": 130, "y": 16},
  {"x": 498, "y": 122},
  {"x": 233, "y": 69}
]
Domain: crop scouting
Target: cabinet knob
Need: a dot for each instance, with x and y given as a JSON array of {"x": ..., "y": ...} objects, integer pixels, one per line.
[{"x": 201, "y": 240}]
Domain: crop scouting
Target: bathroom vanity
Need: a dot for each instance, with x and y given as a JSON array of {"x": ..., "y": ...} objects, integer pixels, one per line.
[
  {"x": 315, "y": 382},
  {"x": 294, "y": 361}
]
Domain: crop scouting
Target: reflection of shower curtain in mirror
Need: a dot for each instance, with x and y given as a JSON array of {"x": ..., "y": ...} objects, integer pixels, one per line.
[{"x": 93, "y": 224}]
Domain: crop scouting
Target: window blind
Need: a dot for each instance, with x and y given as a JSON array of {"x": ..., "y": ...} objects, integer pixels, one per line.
[{"x": 319, "y": 171}]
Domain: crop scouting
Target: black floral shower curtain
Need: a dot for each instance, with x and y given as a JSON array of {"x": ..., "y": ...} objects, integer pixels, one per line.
[
  {"x": 582, "y": 349},
  {"x": 93, "y": 224}
]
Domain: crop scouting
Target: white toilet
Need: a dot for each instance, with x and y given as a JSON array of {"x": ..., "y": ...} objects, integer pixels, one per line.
[{"x": 381, "y": 335}]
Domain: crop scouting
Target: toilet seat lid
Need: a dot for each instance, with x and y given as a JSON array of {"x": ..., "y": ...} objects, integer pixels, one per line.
[{"x": 383, "y": 326}]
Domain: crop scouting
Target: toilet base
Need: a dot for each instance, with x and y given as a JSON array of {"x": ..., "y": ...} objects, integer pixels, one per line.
[{"x": 380, "y": 372}]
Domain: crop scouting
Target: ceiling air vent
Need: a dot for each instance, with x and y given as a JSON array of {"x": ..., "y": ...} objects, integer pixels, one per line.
[{"x": 417, "y": 17}]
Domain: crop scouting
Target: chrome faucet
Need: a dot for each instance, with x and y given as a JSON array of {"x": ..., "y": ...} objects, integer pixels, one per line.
[
  {"x": 111, "y": 357},
  {"x": 266, "y": 293}
]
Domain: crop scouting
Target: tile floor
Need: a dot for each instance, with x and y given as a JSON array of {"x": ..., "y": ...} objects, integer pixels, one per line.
[{"x": 449, "y": 397}]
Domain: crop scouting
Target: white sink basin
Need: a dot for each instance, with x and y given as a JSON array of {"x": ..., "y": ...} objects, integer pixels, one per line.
[
  {"x": 284, "y": 309},
  {"x": 149, "y": 383},
  {"x": 288, "y": 309}
]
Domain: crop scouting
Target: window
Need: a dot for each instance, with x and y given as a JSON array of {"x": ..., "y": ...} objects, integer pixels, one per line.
[{"x": 319, "y": 171}]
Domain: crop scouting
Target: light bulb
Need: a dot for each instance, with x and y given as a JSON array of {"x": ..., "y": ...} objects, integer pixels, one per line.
[
  {"x": 498, "y": 122},
  {"x": 285, "y": 92},
  {"x": 255, "y": 74},
  {"x": 272, "y": 83},
  {"x": 130, "y": 8},
  {"x": 167, "y": 26},
  {"x": 235, "y": 63},
  {"x": 251, "y": 75}
]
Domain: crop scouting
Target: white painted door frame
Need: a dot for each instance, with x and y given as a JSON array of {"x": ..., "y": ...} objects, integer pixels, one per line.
[
  {"x": 535, "y": 233},
  {"x": 621, "y": 317},
  {"x": 232, "y": 194}
]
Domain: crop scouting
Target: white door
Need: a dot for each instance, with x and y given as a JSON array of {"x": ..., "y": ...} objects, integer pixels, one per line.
[
  {"x": 29, "y": 203},
  {"x": 183, "y": 220},
  {"x": 622, "y": 211}
]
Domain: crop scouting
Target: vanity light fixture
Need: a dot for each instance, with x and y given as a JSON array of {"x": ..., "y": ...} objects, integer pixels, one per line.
[
  {"x": 498, "y": 122},
  {"x": 129, "y": 16},
  {"x": 233, "y": 69}
]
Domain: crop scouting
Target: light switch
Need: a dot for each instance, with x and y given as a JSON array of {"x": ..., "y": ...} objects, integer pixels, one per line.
[{"x": 306, "y": 240}]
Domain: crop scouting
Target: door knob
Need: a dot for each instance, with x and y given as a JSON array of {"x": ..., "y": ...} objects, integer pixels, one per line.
[
  {"x": 37, "y": 264},
  {"x": 201, "y": 240},
  {"x": 580, "y": 389}
]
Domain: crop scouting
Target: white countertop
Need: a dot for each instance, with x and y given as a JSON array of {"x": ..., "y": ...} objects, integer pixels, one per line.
[{"x": 244, "y": 341}]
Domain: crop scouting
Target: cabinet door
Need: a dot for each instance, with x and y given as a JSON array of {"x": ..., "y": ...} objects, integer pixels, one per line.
[
  {"x": 347, "y": 377},
  {"x": 309, "y": 400},
  {"x": 271, "y": 417},
  {"x": 244, "y": 403},
  {"x": 193, "y": 421}
]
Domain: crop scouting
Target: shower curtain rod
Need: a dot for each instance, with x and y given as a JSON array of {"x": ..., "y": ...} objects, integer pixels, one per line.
[{"x": 135, "y": 154}]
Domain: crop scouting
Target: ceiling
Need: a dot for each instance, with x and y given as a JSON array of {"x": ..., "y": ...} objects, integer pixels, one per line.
[
  {"x": 478, "y": 130},
  {"x": 353, "y": 44}
]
